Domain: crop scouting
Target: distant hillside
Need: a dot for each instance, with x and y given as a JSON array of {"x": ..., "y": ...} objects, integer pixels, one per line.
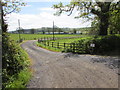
[{"x": 49, "y": 30}]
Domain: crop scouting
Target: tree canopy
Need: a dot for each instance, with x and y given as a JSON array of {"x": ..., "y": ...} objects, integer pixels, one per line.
[
  {"x": 100, "y": 10},
  {"x": 7, "y": 7}
]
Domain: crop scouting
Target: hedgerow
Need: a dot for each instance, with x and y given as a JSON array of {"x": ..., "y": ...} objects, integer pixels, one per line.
[
  {"x": 103, "y": 45},
  {"x": 14, "y": 61}
]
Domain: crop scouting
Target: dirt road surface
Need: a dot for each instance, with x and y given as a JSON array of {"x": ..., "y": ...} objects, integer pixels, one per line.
[{"x": 66, "y": 70}]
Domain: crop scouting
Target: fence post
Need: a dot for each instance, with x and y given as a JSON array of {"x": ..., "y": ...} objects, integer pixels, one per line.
[
  {"x": 77, "y": 47},
  {"x": 48, "y": 43},
  {"x": 58, "y": 45},
  {"x": 64, "y": 45},
  {"x": 38, "y": 40},
  {"x": 52, "y": 44},
  {"x": 73, "y": 47},
  {"x": 45, "y": 43}
]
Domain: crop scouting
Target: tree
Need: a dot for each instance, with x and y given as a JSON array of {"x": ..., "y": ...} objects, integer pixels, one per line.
[
  {"x": 7, "y": 7},
  {"x": 32, "y": 31},
  {"x": 11, "y": 54},
  {"x": 59, "y": 30},
  {"x": 48, "y": 31},
  {"x": 74, "y": 31},
  {"x": 114, "y": 27},
  {"x": 87, "y": 10},
  {"x": 43, "y": 32}
]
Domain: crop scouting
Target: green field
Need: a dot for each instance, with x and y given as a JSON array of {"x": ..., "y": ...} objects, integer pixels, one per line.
[
  {"x": 36, "y": 36},
  {"x": 64, "y": 39},
  {"x": 70, "y": 40}
]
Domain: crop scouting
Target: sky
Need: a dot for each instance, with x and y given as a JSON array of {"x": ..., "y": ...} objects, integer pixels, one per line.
[{"x": 39, "y": 13}]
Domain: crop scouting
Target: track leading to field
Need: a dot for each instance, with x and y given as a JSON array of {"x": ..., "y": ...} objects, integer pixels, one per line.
[{"x": 65, "y": 70}]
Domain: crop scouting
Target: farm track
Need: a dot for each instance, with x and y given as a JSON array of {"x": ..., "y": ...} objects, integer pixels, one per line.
[{"x": 65, "y": 70}]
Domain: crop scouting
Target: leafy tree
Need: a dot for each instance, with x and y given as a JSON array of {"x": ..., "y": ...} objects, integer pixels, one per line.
[
  {"x": 43, "y": 32},
  {"x": 48, "y": 31},
  {"x": 87, "y": 10},
  {"x": 32, "y": 31},
  {"x": 12, "y": 58},
  {"x": 59, "y": 30},
  {"x": 74, "y": 31},
  {"x": 7, "y": 7},
  {"x": 114, "y": 21}
]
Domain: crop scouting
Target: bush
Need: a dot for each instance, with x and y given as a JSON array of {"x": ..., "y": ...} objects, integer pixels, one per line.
[
  {"x": 14, "y": 59},
  {"x": 103, "y": 45},
  {"x": 107, "y": 44}
]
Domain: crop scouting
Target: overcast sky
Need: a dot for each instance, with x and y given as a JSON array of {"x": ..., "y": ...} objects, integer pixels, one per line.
[{"x": 39, "y": 13}]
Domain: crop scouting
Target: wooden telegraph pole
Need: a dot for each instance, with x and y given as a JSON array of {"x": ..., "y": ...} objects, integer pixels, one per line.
[
  {"x": 19, "y": 29},
  {"x": 53, "y": 31},
  {"x": 1, "y": 16}
]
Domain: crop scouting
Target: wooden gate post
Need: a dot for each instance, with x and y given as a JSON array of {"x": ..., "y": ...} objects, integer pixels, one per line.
[
  {"x": 58, "y": 45},
  {"x": 64, "y": 45},
  {"x": 52, "y": 44},
  {"x": 48, "y": 43},
  {"x": 73, "y": 47}
]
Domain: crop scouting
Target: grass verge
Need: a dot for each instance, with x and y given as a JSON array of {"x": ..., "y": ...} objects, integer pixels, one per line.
[
  {"x": 21, "y": 79},
  {"x": 48, "y": 48}
]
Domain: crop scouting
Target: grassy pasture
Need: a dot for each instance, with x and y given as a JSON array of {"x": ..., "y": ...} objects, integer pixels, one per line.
[
  {"x": 70, "y": 40},
  {"x": 103, "y": 44},
  {"x": 36, "y": 36}
]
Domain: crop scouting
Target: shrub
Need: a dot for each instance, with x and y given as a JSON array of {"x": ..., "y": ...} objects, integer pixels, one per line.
[
  {"x": 13, "y": 59},
  {"x": 107, "y": 44},
  {"x": 103, "y": 45}
]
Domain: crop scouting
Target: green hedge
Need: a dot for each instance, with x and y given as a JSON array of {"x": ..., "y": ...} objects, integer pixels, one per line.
[
  {"x": 103, "y": 45},
  {"x": 14, "y": 60}
]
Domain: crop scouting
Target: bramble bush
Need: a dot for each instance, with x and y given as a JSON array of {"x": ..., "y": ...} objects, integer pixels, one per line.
[{"x": 14, "y": 60}]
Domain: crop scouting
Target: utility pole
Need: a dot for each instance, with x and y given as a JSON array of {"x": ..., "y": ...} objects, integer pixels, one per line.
[
  {"x": 1, "y": 18},
  {"x": 53, "y": 31},
  {"x": 19, "y": 29}
]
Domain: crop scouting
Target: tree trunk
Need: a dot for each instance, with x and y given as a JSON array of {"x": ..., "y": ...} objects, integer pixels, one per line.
[
  {"x": 103, "y": 16},
  {"x": 3, "y": 24},
  {"x": 103, "y": 26}
]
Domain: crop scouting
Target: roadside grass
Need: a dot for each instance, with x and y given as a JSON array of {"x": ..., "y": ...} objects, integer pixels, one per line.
[
  {"x": 21, "y": 79},
  {"x": 48, "y": 47}
]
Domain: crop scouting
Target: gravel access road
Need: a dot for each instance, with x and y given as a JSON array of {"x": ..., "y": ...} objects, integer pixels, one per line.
[{"x": 67, "y": 70}]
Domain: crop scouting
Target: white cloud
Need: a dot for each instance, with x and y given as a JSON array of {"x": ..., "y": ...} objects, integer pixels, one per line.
[{"x": 44, "y": 19}]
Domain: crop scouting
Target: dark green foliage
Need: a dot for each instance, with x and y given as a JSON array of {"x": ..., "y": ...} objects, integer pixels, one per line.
[
  {"x": 107, "y": 44},
  {"x": 13, "y": 59},
  {"x": 103, "y": 45}
]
